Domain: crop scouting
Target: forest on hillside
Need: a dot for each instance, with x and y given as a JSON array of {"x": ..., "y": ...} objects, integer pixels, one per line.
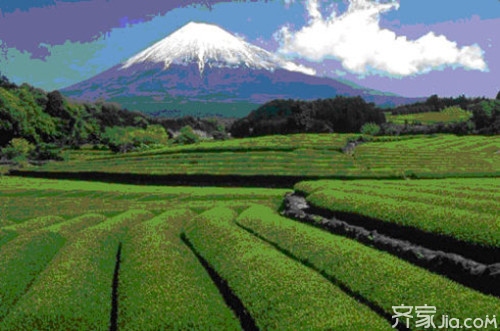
[{"x": 38, "y": 125}]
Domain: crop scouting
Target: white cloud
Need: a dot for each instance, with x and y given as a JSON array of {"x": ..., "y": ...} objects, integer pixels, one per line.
[
  {"x": 299, "y": 68},
  {"x": 356, "y": 39}
]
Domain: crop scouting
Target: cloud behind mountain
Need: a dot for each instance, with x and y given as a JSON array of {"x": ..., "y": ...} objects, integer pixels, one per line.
[{"x": 357, "y": 40}]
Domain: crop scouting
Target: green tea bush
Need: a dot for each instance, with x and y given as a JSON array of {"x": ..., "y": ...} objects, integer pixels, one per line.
[
  {"x": 74, "y": 290},
  {"x": 23, "y": 258},
  {"x": 378, "y": 277},
  {"x": 474, "y": 197},
  {"x": 278, "y": 292},
  {"x": 162, "y": 284},
  {"x": 11, "y": 231},
  {"x": 477, "y": 228}
]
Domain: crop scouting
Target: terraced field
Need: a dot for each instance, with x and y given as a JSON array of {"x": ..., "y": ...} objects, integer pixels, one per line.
[
  {"x": 441, "y": 156},
  {"x": 448, "y": 115},
  {"x": 375, "y": 277},
  {"x": 466, "y": 210},
  {"x": 459, "y": 216},
  {"x": 313, "y": 155},
  {"x": 91, "y": 256}
]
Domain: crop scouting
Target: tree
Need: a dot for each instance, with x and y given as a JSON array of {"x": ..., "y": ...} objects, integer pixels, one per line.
[
  {"x": 498, "y": 95},
  {"x": 55, "y": 105},
  {"x": 434, "y": 102},
  {"x": 186, "y": 136},
  {"x": 126, "y": 139},
  {"x": 5, "y": 83},
  {"x": 18, "y": 149},
  {"x": 371, "y": 129},
  {"x": 486, "y": 116}
]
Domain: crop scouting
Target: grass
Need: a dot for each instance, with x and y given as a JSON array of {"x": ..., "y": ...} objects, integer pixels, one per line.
[
  {"x": 278, "y": 292},
  {"x": 74, "y": 291},
  {"x": 447, "y": 115},
  {"x": 378, "y": 277},
  {"x": 162, "y": 285}
]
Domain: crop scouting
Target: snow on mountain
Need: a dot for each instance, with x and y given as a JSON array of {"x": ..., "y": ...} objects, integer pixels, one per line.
[{"x": 207, "y": 44}]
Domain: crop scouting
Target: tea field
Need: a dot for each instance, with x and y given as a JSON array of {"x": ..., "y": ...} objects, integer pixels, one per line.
[
  {"x": 81, "y": 255},
  {"x": 89, "y": 255},
  {"x": 313, "y": 155},
  {"x": 465, "y": 209},
  {"x": 447, "y": 115}
]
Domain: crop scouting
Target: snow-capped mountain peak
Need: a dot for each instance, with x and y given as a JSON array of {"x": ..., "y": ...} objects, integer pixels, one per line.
[{"x": 208, "y": 44}]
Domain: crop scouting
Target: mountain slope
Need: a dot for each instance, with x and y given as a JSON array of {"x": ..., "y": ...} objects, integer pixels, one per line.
[{"x": 202, "y": 69}]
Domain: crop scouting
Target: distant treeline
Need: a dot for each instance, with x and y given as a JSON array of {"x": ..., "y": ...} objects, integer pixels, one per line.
[
  {"x": 436, "y": 104},
  {"x": 49, "y": 121},
  {"x": 485, "y": 116},
  {"x": 351, "y": 114}
]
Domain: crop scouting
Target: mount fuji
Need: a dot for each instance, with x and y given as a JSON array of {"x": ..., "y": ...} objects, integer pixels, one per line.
[{"x": 201, "y": 69}]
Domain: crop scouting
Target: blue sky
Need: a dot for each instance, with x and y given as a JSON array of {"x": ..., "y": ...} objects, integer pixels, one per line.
[{"x": 53, "y": 44}]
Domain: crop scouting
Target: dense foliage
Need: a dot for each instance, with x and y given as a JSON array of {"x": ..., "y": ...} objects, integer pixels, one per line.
[
  {"x": 186, "y": 136},
  {"x": 36, "y": 125},
  {"x": 436, "y": 104},
  {"x": 486, "y": 116},
  {"x": 370, "y": 129},
  {"x": 465, "y": 116},
  {"x": 341, "y": 114},
  {"x": 126, "y": 139},
  {"x": 48, "y": 122}
]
